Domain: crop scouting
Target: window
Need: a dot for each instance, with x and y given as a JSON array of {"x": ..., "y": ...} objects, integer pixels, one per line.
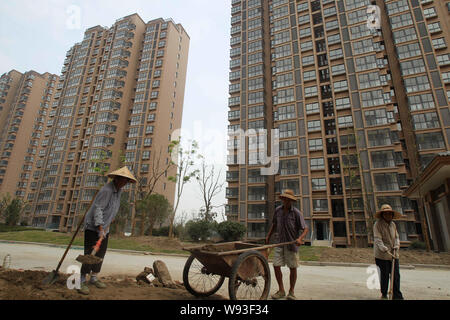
[
  {"x": 340, "y": 86},
  {"x": 366, "y": 63},
  {"x": 288, "y": 167},
  {"x": 369, "y": 80},
  {"x": 431, "y": 140},
  {"x": 304, "y": 46},
  {"x": 255, "y": 112},
  {"x": 338, "y": 69},
  {"x": 303, "y": 19},
  {"x": 286, "y": 112},
  {"x": 319, "y": 184},
  {"x": 409, "y": 50},
  {"x": 378, "y": 117},
  {"x": 314, "y": 125},
  {"x": 386, "y": 182},
  {"x": 401, "y": 20},
  {"x": 320, "y": 205},
  {"x": 288, "y": 148},
  {"x": 357, "y": 16},
  {"x": 421, "y": 102},
  {"x": 417, "y": 84},
  {"x": 404, "y": 35},
  {"x": 336, "y": 54},
  {"x": 333, "y": 39},
  {"x": 353, "y": 4},
  {"x": 359, "y": 31},
  {"x": 311, "y": 91},
  {"x": 255, "y": 97},
  {"x": 434, "y": 27},
  {"x": 363, "y": 46},
  {"x": 383, "y": 159},
  {"x": 397, "y": 6},
  {"x": 283, "y": 51},
  {"x": 317, "y": 163},
  {"x": 284, "y": 96},
  {"x": 342, "y": 103},
  {"x": 379, "y": 138},
  {"x": 345, "y": 122},
  {"x": 308, "y": 60},
  {"x": 284, "y": 80},
  {"x": 425, "y": 121},
  {"x": 255, "y": 70},
  {"x": 309, "y": 75},
  {"x": 315, "y": 144},
  {"x": 429, "y": 12},
  {"x": 439, "y": 43},
  {"x": 412, "y": 67},
  {"x": 372, "y": 98},
  {"x": 312, "y": 108},
  {"x": 444, "y": 59},
  {"x": 288, "y": 130}
]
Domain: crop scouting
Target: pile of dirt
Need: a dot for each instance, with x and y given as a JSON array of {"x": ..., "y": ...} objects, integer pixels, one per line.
[
  {"x": 366, "y": 255},
  {"x": 161, "y": 243},
  {"x": 27, "y": 285}
]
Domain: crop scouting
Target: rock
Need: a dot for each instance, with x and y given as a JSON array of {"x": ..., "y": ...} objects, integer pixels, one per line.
[
  {"x": 142, "y": 277},
  {"x": 162, "y": 273}
]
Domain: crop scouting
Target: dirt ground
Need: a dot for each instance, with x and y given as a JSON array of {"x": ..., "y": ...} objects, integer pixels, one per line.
[{"x": 27, "y": 285}]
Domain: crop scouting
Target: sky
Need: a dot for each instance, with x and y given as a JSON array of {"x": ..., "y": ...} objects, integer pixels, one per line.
[{"x": 36, "y": 34}]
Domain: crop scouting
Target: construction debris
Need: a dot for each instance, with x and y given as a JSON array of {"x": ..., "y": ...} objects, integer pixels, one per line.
[{"x": 158, "y": 276}]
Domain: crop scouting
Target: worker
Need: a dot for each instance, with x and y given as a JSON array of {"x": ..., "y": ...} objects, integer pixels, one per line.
[
  {"x": 289, "y": 224},
  {"x": 97, "y": 222},
  {"x": 386, "y": 248}
]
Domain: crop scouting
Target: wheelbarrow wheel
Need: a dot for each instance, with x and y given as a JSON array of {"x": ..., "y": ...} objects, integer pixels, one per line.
[
  {"x": 198, "y": 281},
  {"x": 250, "y": 277}
]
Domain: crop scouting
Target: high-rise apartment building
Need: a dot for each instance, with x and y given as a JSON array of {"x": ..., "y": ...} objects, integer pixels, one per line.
[
  {"x": 361, "y": 107},
  {"x": 24, "y": 104},
  {"x": 118, "y": 101}
]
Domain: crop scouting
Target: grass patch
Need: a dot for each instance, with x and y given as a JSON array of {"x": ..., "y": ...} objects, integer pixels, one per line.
[
  {"x": 308, "y": 253},
  {"x": 64, "y": 239},
  {"x": 5, "y": 228}
]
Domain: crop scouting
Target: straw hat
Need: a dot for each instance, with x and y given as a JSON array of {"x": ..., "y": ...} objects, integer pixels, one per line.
[
  {"x": 123, "y": 172},
  {"x": 289, "y": 194},
  {"x": 387, "y": 208}
]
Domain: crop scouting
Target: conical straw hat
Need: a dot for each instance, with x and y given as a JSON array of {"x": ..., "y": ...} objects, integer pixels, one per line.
[
  {"x": 123, "y": 172},
  {"x": 387, "y": 208}
]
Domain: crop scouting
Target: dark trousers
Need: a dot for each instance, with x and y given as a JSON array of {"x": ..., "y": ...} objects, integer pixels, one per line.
[
  {"x": 90, "y": 239},
  {"x": 385, "y": 272}
]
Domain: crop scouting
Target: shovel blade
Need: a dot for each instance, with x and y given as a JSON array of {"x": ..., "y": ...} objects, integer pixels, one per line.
[
  {"x": 89, "y": 259},
  {"x": 51, "y": 278}
]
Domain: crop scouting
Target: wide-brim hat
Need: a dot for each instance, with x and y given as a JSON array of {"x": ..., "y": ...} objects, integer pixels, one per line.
[
  {"x": 123, "y": 172},
  {"x": 387, "y": 208},
  {"x": 288, "y": 194}
]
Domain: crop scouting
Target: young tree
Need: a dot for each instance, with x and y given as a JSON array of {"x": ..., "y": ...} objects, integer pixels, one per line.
[
  {"x": 11, "y": 209},
  {"x": 210, "y": 186},
  {"x": 185, "y": 172},
  {"x": 154, "y": 209}
]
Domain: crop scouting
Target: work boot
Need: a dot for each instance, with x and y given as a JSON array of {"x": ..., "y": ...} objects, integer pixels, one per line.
[
  {"x": 84, "y": 289},
  {"x": 278, "y": 295},
  {"x": 291, "y": 296},
  {"x": 98, "y": 283}
]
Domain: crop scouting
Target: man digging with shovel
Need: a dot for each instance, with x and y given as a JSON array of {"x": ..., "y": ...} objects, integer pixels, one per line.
[
  {"x": 98, "y": 220},
  {"x": 386, "y": 247}
]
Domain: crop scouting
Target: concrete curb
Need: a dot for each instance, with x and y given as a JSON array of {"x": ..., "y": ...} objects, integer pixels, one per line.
[{"x": 305, "y": 263}]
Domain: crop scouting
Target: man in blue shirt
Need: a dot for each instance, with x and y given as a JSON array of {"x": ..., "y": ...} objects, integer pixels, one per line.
[
  {"x": 289, "y": 224},
  {"x": 98, "y": 220}
]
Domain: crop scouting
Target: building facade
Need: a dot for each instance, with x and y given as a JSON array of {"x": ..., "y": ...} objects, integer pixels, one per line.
[
  {"x": 118, "y": 101},
  {"x": 360, "y": 107}
]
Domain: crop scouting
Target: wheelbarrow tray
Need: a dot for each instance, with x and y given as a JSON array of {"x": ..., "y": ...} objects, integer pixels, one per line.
[{"x": 219, "y": 258}]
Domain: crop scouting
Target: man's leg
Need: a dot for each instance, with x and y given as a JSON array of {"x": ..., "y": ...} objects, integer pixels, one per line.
[
  {"x": 278, "y": 262},
  {"x": 292, "y": 279},
  {"x": 383, "y": 265},
  {"x": 279, "y": 277},
  {"x": 96, "y": 268}
]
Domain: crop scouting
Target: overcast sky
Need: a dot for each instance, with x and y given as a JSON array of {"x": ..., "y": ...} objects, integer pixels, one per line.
[{"x": 36, "y": 34}]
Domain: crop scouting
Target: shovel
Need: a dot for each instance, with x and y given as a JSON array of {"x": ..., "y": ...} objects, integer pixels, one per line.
[
  {"x": 391, "y": 282},
  {"x": 91, "y": 258},
  {"x": 53, "y": 276}
]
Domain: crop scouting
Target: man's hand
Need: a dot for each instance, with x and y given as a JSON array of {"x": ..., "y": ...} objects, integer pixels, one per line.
[
  {"x": 299, "y": 242},
  {"x": 101, "y": 232}
]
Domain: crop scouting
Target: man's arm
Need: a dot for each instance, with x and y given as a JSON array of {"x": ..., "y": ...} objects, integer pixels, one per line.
[
  {"x": 378, "y": 240},
  {"x": 300, "y": 241},
  {"x": 272, "y": 227}
]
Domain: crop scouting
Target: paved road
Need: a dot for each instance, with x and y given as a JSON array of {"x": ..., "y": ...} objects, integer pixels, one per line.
[{"x": 314, "y": 282}]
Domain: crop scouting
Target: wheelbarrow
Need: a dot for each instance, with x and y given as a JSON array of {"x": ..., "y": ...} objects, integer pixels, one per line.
[{"x": 245, "y": 264}]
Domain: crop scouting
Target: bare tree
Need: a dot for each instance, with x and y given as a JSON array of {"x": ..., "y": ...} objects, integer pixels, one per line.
[
  {"x": 185, "y": 172},
  {"x": 210, "y": 186}
]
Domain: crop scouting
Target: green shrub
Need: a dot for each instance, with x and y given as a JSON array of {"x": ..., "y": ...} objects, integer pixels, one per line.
[
  {"x": 231, "y": 231},
  {"x": 417, "y": 245},
  {"x": 200, "y": 230}
]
